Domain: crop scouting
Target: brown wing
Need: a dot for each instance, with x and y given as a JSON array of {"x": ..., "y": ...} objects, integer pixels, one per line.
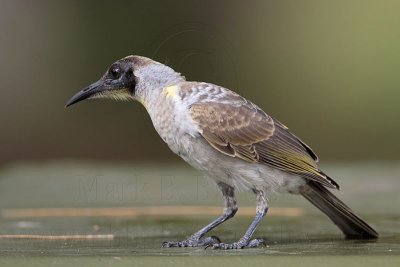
[{"x": 245, "y": 131}]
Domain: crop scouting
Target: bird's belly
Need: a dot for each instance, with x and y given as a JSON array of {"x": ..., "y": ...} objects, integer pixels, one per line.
[{"x": 233, "y": 171}]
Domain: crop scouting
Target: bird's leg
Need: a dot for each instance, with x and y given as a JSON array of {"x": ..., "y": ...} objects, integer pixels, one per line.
[
  {"x": 245, "y": 242},
  {"x": 195, "y": 239}
]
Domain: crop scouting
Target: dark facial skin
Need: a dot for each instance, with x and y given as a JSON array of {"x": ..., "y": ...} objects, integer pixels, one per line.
[{"x": 119, "y": 76}]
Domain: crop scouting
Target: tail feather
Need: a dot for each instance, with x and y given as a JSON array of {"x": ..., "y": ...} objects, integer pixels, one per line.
[{"x": 350, "y": 224}]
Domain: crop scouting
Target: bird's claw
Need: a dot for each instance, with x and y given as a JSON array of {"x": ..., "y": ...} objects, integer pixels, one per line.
[
  {"x": 192, "y": 242},
  {"x": 239, "y": 245}
]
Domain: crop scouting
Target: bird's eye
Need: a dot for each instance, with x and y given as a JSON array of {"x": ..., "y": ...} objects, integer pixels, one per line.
[{"x": 115, "y": 72}]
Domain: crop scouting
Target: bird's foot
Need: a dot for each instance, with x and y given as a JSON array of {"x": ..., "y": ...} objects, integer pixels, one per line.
[
  {"x": 192, "y": 242},
  {"x": 240, "y": 244}
]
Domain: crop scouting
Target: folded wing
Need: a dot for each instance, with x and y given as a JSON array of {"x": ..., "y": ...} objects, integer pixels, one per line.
[{"x": 247, "y": 132}]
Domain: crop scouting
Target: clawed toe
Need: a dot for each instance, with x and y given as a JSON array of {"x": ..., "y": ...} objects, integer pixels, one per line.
[
  {"x": 257, "y": 242},
  {"x": 239, "y": 245},
  {"x": 208, "y": 241}
]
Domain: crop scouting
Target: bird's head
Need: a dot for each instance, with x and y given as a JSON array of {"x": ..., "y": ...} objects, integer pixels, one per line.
[{"x": 129, "y": 78}]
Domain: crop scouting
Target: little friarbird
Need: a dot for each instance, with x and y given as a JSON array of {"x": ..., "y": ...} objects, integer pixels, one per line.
[{"x": 228, "y": 138}]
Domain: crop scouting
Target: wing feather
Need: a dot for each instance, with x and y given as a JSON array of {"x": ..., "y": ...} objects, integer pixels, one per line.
[{"x": 247, "y": 132}]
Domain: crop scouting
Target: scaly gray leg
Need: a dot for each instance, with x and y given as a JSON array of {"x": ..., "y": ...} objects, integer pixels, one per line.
[
  {"x": 229, "y": 211},
  {"x": 245, "y": 242}
]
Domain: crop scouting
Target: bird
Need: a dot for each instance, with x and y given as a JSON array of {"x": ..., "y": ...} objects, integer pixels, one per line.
[{"x": 229, "y": 139}]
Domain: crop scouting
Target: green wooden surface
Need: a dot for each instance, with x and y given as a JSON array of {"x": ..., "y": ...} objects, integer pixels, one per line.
[{"x": 370, "y": 188}]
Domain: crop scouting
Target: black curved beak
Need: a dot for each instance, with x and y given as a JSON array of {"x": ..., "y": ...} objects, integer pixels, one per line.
[{"x": 86, "y": 93}]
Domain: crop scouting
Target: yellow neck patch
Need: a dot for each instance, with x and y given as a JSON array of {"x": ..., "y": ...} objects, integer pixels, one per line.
[
  {"x": 171, "y": 91},
  {"x": 168, "y": 92}
]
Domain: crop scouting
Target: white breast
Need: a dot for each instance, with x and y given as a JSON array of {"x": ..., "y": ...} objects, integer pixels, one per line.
[
  {"x": 173, "y": 123},
  {"x": 171, "y": 118}
]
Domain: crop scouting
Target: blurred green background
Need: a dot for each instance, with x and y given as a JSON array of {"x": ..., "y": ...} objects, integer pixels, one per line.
[{"x": 327, "y": 69}]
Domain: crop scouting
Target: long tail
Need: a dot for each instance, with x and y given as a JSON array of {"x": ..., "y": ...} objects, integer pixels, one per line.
[{"x": 350, "y": 224}]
